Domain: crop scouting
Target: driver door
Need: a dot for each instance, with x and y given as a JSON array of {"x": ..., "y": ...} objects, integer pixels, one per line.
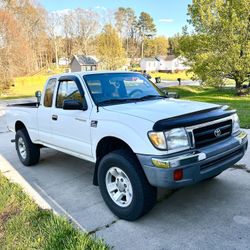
[{"x": 71, "y": 128}]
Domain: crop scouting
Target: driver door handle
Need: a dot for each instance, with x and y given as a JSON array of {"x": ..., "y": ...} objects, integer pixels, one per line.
[{"x": 54, "y": 117}]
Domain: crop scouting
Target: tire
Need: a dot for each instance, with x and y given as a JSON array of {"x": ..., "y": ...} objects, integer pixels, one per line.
[
  {"x": 127, "y": 168},
  {"x": 28, "y": 152}
]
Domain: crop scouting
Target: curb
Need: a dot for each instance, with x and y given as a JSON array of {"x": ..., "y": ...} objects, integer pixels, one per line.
[{"x": 13, "y": 176}]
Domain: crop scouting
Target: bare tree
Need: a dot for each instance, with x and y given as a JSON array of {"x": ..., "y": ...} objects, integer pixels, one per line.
[
  {"x": 69, "y": 32},
  {"x": 31, "y": 18},
  {"x": 125, "y": 24},
  {"x": 87, "y": 27},
  {"x": 54, "y": 25},
  {"x": 14, "y": 50}
]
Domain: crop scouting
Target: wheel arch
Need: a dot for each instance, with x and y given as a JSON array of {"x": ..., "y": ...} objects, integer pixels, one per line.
[
  {"x": 106, "y": 145},
  {"x": 20, "y": 125}
]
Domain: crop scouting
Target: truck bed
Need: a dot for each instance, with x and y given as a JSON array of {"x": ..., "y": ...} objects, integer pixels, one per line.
[{"x": 25, "y": 105}]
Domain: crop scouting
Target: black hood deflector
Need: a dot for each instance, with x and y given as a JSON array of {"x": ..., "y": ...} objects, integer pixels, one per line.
[{"x": 192, "y": 119}]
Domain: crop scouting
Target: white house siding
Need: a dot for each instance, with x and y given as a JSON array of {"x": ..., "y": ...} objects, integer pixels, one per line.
[
  {"x": 172, "y": 65},
  {"x": 149, "y": 65},
  {"x": 63, "y": 61},
  {"x": 162, "y": 65},
  {"x": 178, "y": 64}
]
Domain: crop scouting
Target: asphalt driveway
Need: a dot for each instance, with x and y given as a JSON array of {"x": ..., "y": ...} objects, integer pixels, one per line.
[{"x": 210, "y": 215}]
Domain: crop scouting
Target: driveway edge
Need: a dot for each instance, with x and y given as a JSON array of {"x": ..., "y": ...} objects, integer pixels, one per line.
[{"x": 13, "y": 176}]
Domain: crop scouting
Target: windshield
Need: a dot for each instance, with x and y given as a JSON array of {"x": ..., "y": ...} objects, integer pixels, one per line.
[{"x": 116, "y": 88}]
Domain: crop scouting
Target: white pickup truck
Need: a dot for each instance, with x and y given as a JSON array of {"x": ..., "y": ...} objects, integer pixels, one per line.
[{"x": 138, "y": 137}]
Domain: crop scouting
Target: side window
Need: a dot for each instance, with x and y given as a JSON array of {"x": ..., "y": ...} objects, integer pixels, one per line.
[
  {"x": 49, "y": 91},
  {"x": 67, "y": 90}
]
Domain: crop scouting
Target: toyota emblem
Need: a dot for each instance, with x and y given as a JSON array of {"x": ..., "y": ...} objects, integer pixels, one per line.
[{"x": 217, "y": 132}]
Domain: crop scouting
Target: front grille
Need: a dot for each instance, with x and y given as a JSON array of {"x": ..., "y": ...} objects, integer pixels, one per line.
[{"x": 205, "y": 136}]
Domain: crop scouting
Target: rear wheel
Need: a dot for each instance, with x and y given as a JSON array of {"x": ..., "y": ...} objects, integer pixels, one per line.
[
  {"x": 124, "y": 187},
  {"x": 28, "y": 152}
]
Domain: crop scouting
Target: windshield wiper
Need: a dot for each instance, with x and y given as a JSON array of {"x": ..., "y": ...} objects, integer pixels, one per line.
[
  {"x": 147, "y": 97},
  {"x": 123, "y": 100},
  {"x": 113, "y": 101}
]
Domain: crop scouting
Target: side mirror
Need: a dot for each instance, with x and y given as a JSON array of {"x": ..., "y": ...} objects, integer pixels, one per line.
[
  {"x": 171, "y": 94},
  {"x": 73, "y": 105},
  {"x": 165, "y": 92},
  {"x": 38, "y": 96}
]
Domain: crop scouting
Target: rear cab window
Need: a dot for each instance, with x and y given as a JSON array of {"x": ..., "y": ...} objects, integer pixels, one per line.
[{"x": 49, "y": 93}]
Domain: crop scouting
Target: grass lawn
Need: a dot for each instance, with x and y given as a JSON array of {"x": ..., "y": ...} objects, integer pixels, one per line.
[
  {"x": 26, "y": 86},
  {"x": 172, "y": 76},
  {"x": 23, "y": 225},
  {"x": 224, "y": 96}
]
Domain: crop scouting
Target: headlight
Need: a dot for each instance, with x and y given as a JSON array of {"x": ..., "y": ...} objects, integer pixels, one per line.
[
  {"x": 174, "y": 139},
  {"x": 177, "y": 139},
  {"x": 235, "y": 123}
]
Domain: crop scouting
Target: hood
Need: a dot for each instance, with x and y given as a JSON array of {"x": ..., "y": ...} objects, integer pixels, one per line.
[{"x": 154, "y": 110}]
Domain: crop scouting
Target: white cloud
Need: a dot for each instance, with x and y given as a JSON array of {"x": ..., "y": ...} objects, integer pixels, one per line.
[
  {"x": 166, "y": 20},
  {"x": 100, "y": 7},
  {"x": 61, "y": 12}
]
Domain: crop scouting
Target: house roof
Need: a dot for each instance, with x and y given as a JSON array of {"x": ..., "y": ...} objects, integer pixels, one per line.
[
  {"x": 149, "y": 59},
  {"x": 85, "y": 60},
  {"x": 160, "y": 58},
  {"x": 170, "y": 58}
]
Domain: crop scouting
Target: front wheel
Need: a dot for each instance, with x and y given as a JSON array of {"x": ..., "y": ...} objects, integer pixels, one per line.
[{"x": 124, "y": 187}]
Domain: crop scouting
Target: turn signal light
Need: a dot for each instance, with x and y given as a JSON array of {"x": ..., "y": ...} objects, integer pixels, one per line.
[{"x": 178, "y": 174}]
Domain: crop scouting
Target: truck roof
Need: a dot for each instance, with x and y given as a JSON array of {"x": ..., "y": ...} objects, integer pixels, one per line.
[{"x": 83, "y": 73}]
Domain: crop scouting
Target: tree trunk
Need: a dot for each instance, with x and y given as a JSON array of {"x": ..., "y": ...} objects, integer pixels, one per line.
[
  {"x": 56, "y": 54},
  {"x": 238, "y": 86},
  {"x": 127, "y": 46},
  {"x": 142, "y": 49}
]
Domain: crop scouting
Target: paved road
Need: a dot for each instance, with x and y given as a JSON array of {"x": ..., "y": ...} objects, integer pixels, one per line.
[
  {"x": 165, "y": 84},
  {"x": 210, "y": 215}
]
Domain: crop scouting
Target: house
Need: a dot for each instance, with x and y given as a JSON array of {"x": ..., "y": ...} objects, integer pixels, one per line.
[
  {"x": 169, "y": 63},
  {"x": 173, "y": 64},
  {"x": 63, "y": 61},
  {"x": 149, "y": 64},
  {"x": 83, "y": 63}
]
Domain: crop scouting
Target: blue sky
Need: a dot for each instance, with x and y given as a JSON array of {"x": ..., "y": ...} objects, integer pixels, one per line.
[{"x": 169, "y": 15}]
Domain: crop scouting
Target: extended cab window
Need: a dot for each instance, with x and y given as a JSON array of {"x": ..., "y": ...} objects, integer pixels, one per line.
[
  {"x": 48, "y": 97},
  {"x": 67, "y": 90}
]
